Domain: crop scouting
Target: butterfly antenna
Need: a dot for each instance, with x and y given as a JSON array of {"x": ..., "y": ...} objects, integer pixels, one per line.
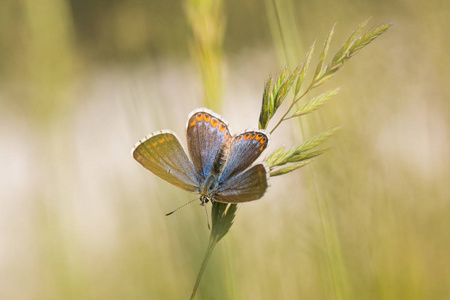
[{"x": 168, "y": 214}]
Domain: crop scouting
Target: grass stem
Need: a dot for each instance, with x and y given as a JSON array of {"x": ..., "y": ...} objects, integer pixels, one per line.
[{"x": 209, "y": 251}]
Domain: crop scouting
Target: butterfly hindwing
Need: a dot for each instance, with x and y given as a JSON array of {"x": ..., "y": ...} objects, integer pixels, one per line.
[
  {"x": 244, "y": 150},
  {"x": 245, "y": 186},
  {"x": 207, "y": 134},
  {"x": 163, "y": 155}
]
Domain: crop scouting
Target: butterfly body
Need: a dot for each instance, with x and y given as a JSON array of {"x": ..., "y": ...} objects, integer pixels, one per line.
[
  {"x": 210, "y": 186},
  {"x": 220, "y": 165}
]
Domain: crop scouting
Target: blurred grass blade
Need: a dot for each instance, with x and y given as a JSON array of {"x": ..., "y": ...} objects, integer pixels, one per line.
[{"x": 207, "y": 16}]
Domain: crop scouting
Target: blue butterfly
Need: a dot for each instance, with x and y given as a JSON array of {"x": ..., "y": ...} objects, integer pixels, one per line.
[{"x": 219, "y": 168}]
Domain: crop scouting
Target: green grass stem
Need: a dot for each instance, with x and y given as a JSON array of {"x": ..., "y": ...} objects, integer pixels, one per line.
[{"x": 212, "y": 244}]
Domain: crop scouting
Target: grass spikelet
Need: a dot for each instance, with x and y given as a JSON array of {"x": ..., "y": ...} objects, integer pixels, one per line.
[{"x": 285, "y": 160}]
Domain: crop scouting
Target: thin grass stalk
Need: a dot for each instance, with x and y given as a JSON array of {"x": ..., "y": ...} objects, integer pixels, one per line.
[
  {"x": 284, "y": 29},
  {"x": 222, "y": 217},
  {"x": 212, "y": 244}
]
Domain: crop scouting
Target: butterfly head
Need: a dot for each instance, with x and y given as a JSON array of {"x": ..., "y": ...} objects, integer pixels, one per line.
[{"x": 204, "y": 199}]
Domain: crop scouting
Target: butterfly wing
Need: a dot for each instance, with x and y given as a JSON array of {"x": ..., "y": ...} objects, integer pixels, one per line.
[
  {"x": 207, "y": 134},
  {"x": 163, "y": 155},
  {"x": 245, "y": 186},
  {"x": 245, "y": 149}
]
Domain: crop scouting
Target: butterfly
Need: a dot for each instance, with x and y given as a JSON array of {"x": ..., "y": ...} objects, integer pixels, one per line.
[{"x": 219, "y": 167}]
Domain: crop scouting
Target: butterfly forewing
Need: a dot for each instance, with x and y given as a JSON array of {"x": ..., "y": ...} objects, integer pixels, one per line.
[
  {"x": 163, "y": 155},
  {"x": 207, "y": 136},
  {"x": 245, "y": 149},
  {"x": 246, "y": 186}
]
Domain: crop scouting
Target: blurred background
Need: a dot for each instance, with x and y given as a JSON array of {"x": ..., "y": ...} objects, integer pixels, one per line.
[{"x": 82, "y": 81}]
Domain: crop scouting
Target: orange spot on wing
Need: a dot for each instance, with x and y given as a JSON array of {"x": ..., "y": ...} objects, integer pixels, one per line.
[
  {"x": 261, "y": 148},
  {"x": 222, "y": 127},
  {"x": 214, "y": 122},
  {"x": 192, "y": 123},
  {"x": 246, "y": 136},
  {"x": 199, "y": 117},
  {"x": 207, "y": 118},
  {"x": 262, "y": 141},
  {"x": 161, "y": 141},
  {"x": 253, "y": 136},
  {"x": 155, "y": 144},
  {"x": 258, "y": 137}
]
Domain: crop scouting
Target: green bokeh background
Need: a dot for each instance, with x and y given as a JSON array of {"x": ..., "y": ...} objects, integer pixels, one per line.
[{"x": 82, "y": 81}]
